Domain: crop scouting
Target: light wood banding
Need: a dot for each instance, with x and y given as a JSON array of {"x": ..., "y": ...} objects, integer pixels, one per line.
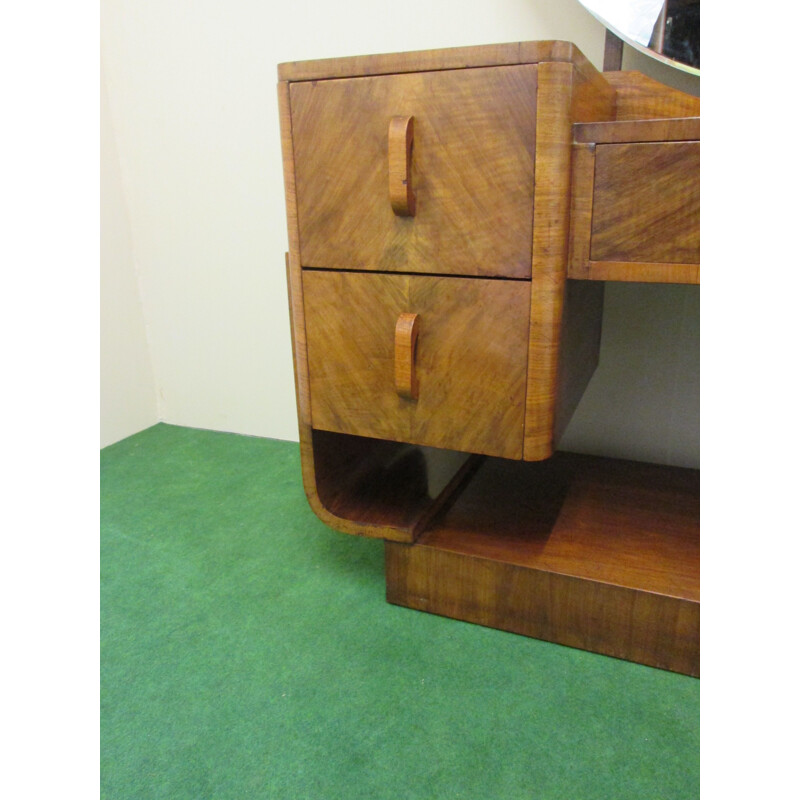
[
  {"x": 636, "y": 272},
  {"x": 401, "y": 143},
  {"x": 565, "y": 95},
  {"x": 406, "y": 332},
  {"x": 643, "y": 130}
]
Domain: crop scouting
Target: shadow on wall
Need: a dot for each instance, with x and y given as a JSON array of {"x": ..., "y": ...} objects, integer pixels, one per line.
[{"x": 643, "y": 401}]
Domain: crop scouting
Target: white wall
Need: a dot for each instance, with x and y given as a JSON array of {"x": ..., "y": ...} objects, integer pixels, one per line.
[
  {"x": 193, "y": 103},
  {"x": 127, "y": 387}
]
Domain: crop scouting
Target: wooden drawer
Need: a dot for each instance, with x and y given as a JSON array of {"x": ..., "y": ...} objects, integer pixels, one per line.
[
  {"x": 636, "y": 204},
  {"x": 470, "y": 358},
  {"x": 647, "y": 202},
  {"x": 471, "y": 171}
]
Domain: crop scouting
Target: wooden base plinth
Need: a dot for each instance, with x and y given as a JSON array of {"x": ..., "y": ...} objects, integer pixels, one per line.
[{"x": 592, "y": 553}]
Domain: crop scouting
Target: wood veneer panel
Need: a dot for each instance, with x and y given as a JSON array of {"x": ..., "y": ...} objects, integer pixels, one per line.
[
  {"x": 584, "y": 551},
  {"x": 668, "y": 209},
  {"x": 640, "y": 97},
  {"x": 550, "y": 223},
  {"x": 620, "y": 522},
  {"x": 470, "y": 359},
  {"x": 636, "y": 272},
  {"x": 582, "y": 315},
  {"x": 471, "y": 356},
  {"x": 565, "y": 95},
  {"x": 643, "y": 130},
  {"x": 581, "y": 199},
  {"x": 592, "y": 98},
  {"x": 647, "y": 203},
  {"x": 472, "y": 167},
  {"x": 383, "y": 489},
  {"x": 321, "y": 464},
  {"x": 293, "y": 260},
  {"x": 636, "y": 626},
  {"x": 429, "y": 60},
  {"x": 350, "y": 324},
  {"x": 375, "y": 483}
]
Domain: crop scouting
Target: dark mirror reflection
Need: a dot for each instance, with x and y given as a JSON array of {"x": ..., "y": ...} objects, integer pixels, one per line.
[
  {"x": 677, "y": 32},
  {"x": 667, "y": 30}
]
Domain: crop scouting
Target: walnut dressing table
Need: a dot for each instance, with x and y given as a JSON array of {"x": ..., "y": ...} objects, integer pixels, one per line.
[{"x": 453, "y": 216}]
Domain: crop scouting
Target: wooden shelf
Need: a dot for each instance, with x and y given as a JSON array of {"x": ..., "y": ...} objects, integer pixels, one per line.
[{"x": 588, "y": 552}]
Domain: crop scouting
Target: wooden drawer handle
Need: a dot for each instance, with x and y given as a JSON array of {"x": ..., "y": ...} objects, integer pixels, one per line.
[
  {"x": 401, "y": 143},
  {"x": 405, "y": 355}
]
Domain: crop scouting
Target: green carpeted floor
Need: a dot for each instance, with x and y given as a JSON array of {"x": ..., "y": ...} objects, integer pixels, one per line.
[{"x": 248, "y": 652}]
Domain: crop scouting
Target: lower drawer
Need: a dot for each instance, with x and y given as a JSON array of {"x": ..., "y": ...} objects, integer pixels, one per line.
[{"x": 469, "y": 362}]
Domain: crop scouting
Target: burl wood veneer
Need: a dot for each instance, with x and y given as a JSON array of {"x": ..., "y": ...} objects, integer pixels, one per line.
[{"x": 452, "y": 217}]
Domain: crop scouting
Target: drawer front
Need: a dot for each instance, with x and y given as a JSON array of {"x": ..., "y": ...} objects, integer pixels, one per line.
[
  {"x": 471, "y": 169},
  {"x": 469, "y": 363},
  {"x": 646, "y": 205}
]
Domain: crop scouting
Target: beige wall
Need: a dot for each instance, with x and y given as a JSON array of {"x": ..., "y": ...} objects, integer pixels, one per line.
[
  {"x": 127, "y": 387},
  {"x": 193, "y": 106}
]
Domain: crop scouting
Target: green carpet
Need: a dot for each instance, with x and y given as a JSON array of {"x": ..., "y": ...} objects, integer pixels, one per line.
[{"x": 248, "y": 652}]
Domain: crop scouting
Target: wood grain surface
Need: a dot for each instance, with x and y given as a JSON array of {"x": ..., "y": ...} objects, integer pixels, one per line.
[
  {"x": 550, "y": 224},
  {"x": 401, "y": 146},
  {"x": 470, "y": 364},
  {"x": 622, "y": 522},
  {"x": 636, "y": 272},
  {"x": 581, "y": 266},
  {"x": 588, "y": 552},
  {"x": 350, "y": 325},
  {"x": 641, "y": 130},
  {"x": 472, "y": 171},
  {"x": 654, "y": 630},
  {"x": 366, "y": 486},
  {"x": 641, "y": 97},
  {"x": 406, "y": 331},
  {"x": 328, "y": 471},
  {"x": 565, "y": 96},
  {"x": 449, "y": 58},
  {"x": 647, "y": 203},
  {"x": 470, "y": 359},
  {"x": 581, "y": 199}
]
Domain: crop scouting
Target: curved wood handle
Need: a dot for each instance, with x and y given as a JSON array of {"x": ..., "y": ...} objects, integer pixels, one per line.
[
  {"x": 401, "y": 143},
  {"x": 405, "y": 354}
]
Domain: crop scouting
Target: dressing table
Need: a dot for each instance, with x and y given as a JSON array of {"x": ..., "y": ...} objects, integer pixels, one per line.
[{"x": 453, "y": 216}]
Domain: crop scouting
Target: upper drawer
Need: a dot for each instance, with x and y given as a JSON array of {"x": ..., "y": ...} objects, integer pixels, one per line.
[{"x": 471, "y": 170}]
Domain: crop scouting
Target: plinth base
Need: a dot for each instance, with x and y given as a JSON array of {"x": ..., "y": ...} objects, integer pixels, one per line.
[{"x": 592, "y": 553}]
